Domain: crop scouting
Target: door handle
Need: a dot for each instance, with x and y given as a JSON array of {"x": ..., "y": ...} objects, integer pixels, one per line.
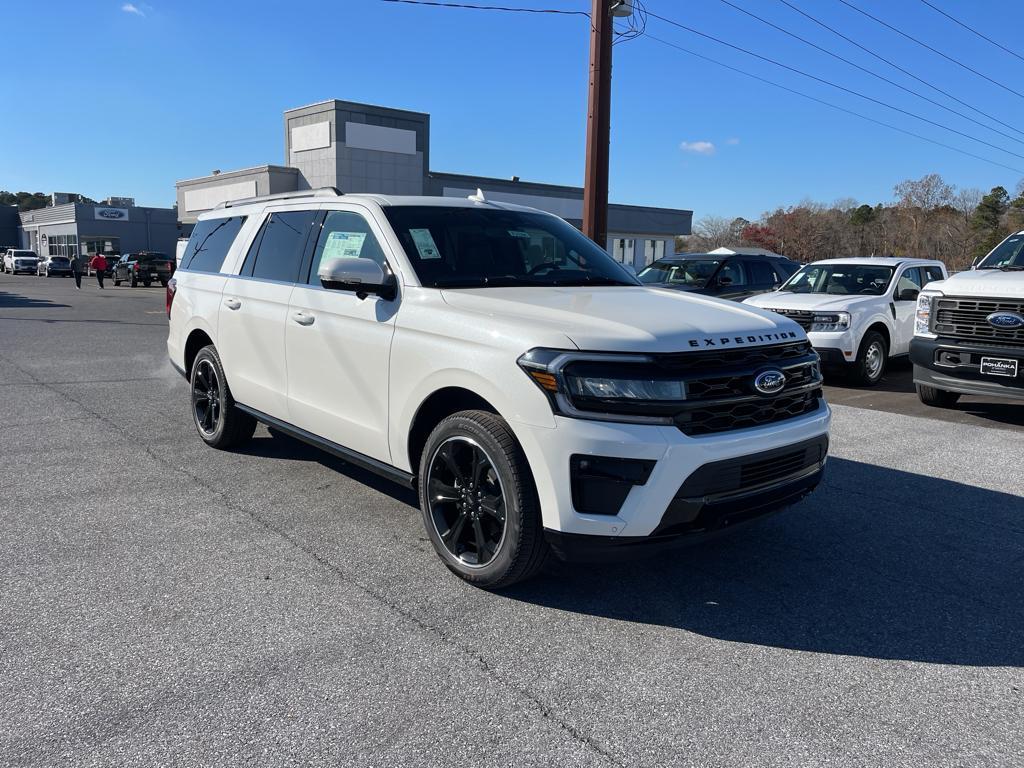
[
  {"x": 302, "y": 318},
  {"x": 232, "y": 303}
]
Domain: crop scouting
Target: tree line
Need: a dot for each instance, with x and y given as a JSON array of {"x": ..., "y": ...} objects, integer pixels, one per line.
[
  {"x": 30, "y": 201},
  {"x": 927, "y": 219}
]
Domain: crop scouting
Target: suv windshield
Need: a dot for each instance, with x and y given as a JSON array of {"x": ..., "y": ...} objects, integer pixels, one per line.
[
  {"x": 462, "y": 247},
  {"x": 694, "y": 272},
  {"x": 865, "y": 279},
  {"x": 1009, "y": 254}
]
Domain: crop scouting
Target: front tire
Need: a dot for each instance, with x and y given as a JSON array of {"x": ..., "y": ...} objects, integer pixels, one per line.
[
  {"x": 869, "y": 368},
  {"x": 937, "y": 398},
  {"x": 116, "y": 281},
  {"x": 479, "y": 502},
  {"x": 218, "y": 420}
]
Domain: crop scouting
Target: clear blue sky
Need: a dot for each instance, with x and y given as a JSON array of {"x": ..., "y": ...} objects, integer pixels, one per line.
[{"x": 104, "y": 100}]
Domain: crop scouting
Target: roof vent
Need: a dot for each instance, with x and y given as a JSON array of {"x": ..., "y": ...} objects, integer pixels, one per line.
[{"x": 478, "y": 197}]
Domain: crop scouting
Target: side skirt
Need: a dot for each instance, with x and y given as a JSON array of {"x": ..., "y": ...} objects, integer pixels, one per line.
[{"x": 394, "y": 474}]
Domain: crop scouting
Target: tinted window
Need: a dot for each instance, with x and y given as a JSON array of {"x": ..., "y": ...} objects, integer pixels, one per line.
[
  {"x": 761, "y": 273},
  {"x": 695, "y": 272},
  {"x": 463, "y": 247},
  {"x": 276, "y": 254},
  {"x": 932, "y": 273},
  {"x": 910, "y": 280},
  {"x": 345, "y": 235},
  {"x": 840, "y": 279},
  {"x": 732, "y": 274},
  {"x": 785, "y": 269},
  {"x": 209, "y": 244}
]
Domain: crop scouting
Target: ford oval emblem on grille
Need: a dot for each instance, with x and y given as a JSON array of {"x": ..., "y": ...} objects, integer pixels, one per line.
[
  {"x": 1006, "y": 321},
  {"x": 769, "y": 382}
]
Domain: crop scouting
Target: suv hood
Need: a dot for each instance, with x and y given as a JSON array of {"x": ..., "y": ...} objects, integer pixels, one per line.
[
  {"x": 982, "y": 282},
  {"x": 628, "y": 319},
  {"x": 811, "y": 301}
]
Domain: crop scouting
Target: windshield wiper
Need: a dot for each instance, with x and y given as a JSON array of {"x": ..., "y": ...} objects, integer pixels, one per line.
[{"x": 1011, "y": 267}]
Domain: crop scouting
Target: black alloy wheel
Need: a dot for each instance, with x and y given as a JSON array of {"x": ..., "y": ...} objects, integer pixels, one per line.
[
  {"x": 206, "y": 397},
  {"x": 467, "y": 501}
]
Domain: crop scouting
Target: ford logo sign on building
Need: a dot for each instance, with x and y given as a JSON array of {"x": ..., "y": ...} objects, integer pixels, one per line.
[
  {"x": 112, "y": 214},
  {"x": 769, "y": 382},
  {"x": 1006, "y": 321}
]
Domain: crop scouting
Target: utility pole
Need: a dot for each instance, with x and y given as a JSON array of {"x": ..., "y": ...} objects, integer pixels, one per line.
[{"x": 595, "y": 182}]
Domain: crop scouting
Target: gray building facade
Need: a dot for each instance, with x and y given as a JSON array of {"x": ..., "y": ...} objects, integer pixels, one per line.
[
  {"x": 9, "y": 221},
  {"x": 367, "y": 148},
  {"x": 80, "y": 229}
]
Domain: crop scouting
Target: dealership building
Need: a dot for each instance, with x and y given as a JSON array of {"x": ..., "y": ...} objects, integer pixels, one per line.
[
  {"x": 114, "y": 227},
  {"x": 364, "y": 148}
]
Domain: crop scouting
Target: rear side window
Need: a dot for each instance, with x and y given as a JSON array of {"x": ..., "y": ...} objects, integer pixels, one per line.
[
  {"x": 760, "y": 273},
  {"x": 276, "y": 253},
  {"x": 209, "y": 244}
]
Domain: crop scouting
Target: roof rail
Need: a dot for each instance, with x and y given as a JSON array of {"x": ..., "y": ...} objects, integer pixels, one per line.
[{"x": 320, "y": 192}]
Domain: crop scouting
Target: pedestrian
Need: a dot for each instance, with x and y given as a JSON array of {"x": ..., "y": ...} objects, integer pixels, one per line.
[
  {"x": 76, "y": 271},
  {"x": 99, "y": 263}
]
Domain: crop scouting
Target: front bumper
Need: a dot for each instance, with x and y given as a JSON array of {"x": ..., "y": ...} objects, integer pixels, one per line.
[
  {"x": 955, "y": 366},
  {"x": 675, "y": 458},
  {"x": 835, "y": 349}
]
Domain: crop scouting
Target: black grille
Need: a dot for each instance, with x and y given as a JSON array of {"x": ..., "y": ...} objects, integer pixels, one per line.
[
  {"x": 965, "y": 319},
  {"x": 720, "y": 394},
  {"x": 802, "y": 317}
]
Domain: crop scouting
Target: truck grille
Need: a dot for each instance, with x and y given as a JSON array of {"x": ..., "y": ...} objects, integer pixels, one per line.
[
  {"x": 720, "y": 395},
  {"x": 803, "y": 318},
  {"x": 965, "y": 319}
]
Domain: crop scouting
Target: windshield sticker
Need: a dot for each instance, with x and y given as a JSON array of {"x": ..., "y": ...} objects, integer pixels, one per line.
[
  {"x": 425, "y": 244},
  {"x": 343, "y": 245}
]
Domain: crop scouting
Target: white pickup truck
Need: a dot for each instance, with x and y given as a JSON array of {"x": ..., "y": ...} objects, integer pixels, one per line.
[
  {"x": 969, "y": 331},
  {"x": 858, "y": 313},
  {"x": 539, "y": 397}
]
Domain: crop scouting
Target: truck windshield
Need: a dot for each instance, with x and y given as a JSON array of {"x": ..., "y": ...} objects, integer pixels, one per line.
[
  {"x": 1009, "y": 254},
  {"x": 863, "y": 279},
  {"x": 463, "y": 247},
  {"x": 694, "y": 272}
]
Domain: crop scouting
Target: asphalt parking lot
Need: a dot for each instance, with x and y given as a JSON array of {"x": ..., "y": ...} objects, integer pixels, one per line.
[{"x": 165, "y": 604}]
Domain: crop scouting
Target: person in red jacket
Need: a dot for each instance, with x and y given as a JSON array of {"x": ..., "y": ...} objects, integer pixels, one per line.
[{"x": 99, "y": 263}]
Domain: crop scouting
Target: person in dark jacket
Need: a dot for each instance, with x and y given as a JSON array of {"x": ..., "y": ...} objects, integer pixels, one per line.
[
  {"x": 76, "y": 271},
  {"x": 99, "y": 263}
]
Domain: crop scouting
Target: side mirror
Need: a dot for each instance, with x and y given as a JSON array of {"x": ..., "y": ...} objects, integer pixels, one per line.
[
  {"x": 363, "y": 276},
  {"x": 725, "y": 280},
  {"x": 908, "y": 294}
]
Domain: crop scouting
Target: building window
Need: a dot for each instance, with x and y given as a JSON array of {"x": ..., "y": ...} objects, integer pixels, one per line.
[
  {"x": 622, "y": 250},
  {"x": 107, "y": 246}
]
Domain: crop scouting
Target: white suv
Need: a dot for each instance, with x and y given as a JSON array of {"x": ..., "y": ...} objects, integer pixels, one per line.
[
  {"x": 858, "y": 313},
  {"x": 491, "y": 356},
  {"x": 19, "y": 260}
]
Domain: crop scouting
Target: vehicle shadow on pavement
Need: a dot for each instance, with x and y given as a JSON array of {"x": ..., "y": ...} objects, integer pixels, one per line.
[
  {"x": 877, "y": 563},
  {"x": 10, "y": 300}
]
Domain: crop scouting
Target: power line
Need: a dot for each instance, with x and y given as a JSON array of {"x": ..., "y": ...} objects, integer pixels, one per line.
[
  {"x": 893, "y": 64},
  {"x": 829, "y": 104},
  {"x": 507, "y": 9},
  {"x": 972, "y": 30},
  {"x": 833, "y": 85},
  {"x": 870, "y": 72},
  {"x": 933, "y": 50}
]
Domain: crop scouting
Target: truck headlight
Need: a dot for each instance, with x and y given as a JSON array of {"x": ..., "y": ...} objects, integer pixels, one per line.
[
  {"x": 605, "y": 385},
  {"x": 923, "y": 318},
  {"x": 831, "y": 321}
]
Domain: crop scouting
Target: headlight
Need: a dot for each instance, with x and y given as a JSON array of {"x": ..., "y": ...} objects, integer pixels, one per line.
[
  {"x": 605, "y": 386},
  {"x": 923, "y": 318},
  {"x": 831, "y": 321}
]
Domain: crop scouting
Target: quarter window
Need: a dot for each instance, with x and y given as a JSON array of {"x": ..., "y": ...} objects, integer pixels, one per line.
[
  {"x": 209, "y": 244},
  {"x": 276, "y": 253},
  {"x": 345, "y": 235}
]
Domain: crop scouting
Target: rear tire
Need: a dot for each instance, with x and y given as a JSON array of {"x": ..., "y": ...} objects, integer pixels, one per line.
[
  {"x": 872, "y": 357},
  {"x": 937, "y": 398},
  {"x": 218, "y": 420},
  {"x": 479, "y": 502}
]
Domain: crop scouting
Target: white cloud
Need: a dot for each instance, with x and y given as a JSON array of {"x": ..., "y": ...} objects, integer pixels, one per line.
[
  {"x": 132, "y": 8},
  {"x": 698, "y": 147},
  {"x": 732, "y": 142}
]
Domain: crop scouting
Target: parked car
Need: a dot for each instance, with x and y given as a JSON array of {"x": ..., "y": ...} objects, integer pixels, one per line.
[
  {"x": 969, "y": 331},
  {"x": 724, "y": 276},
  {"x": 858, "y": 313},
  {"x": 20, "y": 260},
  {"x": 539, "y": 406},
  {"x": 143, "y": 267},
  {"x": 54, "y": 266}
]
